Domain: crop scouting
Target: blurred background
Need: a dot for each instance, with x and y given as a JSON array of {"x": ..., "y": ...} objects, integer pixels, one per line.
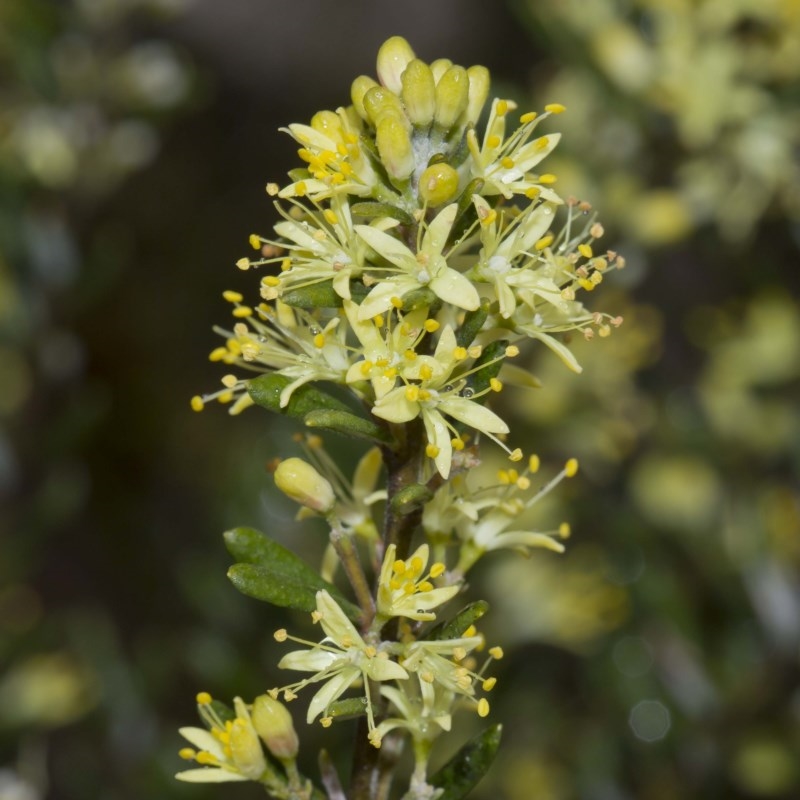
[{"x": 659, "y": 657}]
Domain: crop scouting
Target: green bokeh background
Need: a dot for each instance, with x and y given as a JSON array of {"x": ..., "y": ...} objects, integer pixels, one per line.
[{"x": 659, "y": 657}]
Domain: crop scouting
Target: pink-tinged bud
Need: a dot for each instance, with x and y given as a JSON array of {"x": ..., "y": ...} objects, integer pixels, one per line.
[
  {"x": 274, "y": 724},
  {"x": 393, "y": 58},
  {"x": 298, "y": 480}
]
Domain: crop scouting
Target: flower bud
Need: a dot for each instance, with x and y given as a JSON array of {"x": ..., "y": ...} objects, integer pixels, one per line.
[
  {"x": 393, "y": 58},
  {"x": 358, "y": 89},
  {"x": 438, "y": 184},
  {"x": 452, "y": 95},
  {"x": 380, "y": 102},
  {"x": 394, "y": 146},
  {"x": 246, "y": 752},
  {"x": 274, "y": 724},
  {"x": 479, "y": 81},
  {"x": 439, "y": 67},
  {"x": 419, "y": 93},
  {"x": 329, "y": 123},
  {"x": 298, "y": 480}
]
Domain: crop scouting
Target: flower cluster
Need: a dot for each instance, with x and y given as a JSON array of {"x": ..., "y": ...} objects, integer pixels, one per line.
[{"x": 413, "y": 259}]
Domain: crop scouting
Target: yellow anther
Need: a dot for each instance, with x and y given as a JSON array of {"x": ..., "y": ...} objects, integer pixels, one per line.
[
  {"x": 571, "y": 468},
  {"x": 378, "y": 320},
  {"x": 511, "y": 351},
  {"x": 319, "y": 340},
  {"x": 390, "y": 373},
  {"x": 286, "y": 265},
  {"x": 501, "y": 108},
  {"x": 483, "y": 707},
  {"x": 229, "y": 381},
  {"x": 232, "y": 297},
  {"x": 585, "y": 250},
  {"x": 203, "y": 698},
  {"x": 534, "y": 463},
  {"x": 187, "y": 753},
  {"x": 366, "y": 368},
  {"x": 496, "y": 652},
  {"x": 273, "y": 189},
  {"x": 431, "y": 450},
  {"x": 225, "y": 397},
  {"x": 544, "y": 242},
  {"x": 410, "y": 355},
  {"x": 515, "y": 455},
  {"x": 241, "y": 312},
  {"x": 489, "y": 684},
  {"x": 458, "y": 444},
  {"x": 370, "y": 651},
  {"x": 399, "y": 567},
  {"x": 330, "y": 216},
  {"x": 471, "y": 631},
  {"x": 600, "y": 263},
  {"x": 604, "y": 331},
  {"x": 507, "y": 162},
  {"x": 495, "y": 385},
  {"x": 503, "y": 477},
  {"x": 530, "y": 116},
  {"x": 382, "y": 362},
  {"x": 555, "y": 108},
  {"x": 280, "y": 635},
  {"x": 437, "y": 569},
  {"x": 542, "y": 143},
  {"x": 548, "y": 178},
  {"x": 427, "y": 676},
  {"x": 596, "y": 278},
  {"x": 326, "y": 722},
  {"x": 271, "y": 280},
  {"x": 475, "y": 351},
  {"x": 424, "y": 586},
  {"x": 409, "y": 588},
  {"x": 431, "y": 325},
  {"x": 197, "y": 403},
  {"x": 207, "y": 759},
  {"x": 412, "y": 394},
  {"x": 513, "y": 476},
  {"x": 300, "y": 188},
  {"x": 289, "y": 695},
  {"x": 523, "y": 483},
  {"x": 397, "y": 302},
  {"x": 488, "y": 219},
  {"x": 218, "y": 353},
  {"x": 425, "y": 372},
  {"x": 255, "y": 241},
  {"x": 533, "y": 192},
  {"x": 564, "y": 530},
  {"x": 493, "y": 141},
  {"x": 424, "y": 395},
  {"x": 243, "y": 264},
  {"x": 460, "y": 353},
  {"x": 586, "y": 284},
  {"x": 597, "y": 230}
]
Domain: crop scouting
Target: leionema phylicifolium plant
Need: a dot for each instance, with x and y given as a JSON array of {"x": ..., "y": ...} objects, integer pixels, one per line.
[{"x": 414, "y": 258}]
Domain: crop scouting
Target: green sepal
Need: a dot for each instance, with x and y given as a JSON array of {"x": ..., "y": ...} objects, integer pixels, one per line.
[
  {"x": 420, "y": 298},
  {"x": 222, "y": 710},
  {"x": 465, "y": 211},
  {"x": 348, "y": 424},
  {"x": 299, "y": 174},
  {"x": 463, "y": 771},
  {"x": 269, "y": 571},
  {"x": 410, "y": 498},
  {"x": 472, "y": 324},
  {"x": 322, "y": 295},
  {"x": 349, "y": 708},
  {"x": 372, "y": 210},
  {"x": 487, "y": 366},
  {"x": 454, "y": 629},
  {"x": 266, "y": 392}
]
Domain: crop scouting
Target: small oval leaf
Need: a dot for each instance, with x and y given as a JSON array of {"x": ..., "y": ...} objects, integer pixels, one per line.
[{"x": 461, "y": 774}]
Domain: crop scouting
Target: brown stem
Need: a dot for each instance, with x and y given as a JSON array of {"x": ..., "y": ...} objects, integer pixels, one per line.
[{"x": 348, "y": 555}]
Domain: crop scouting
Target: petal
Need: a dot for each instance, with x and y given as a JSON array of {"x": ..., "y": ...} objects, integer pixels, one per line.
[
  {"x": 473, "y": 414},
  {"x": 396, "y": 407},
  {"x": 382, "y": 669},
  {"x": 202, "y": 740},
  {"x": 560, "y": 349},
  {"x": 533, "y": 152},
  {"x": 366, "y": 475},
  {"x": 513, "y": 539},
  {"x": 331, "y": 690},
  {"x": 435, "y": 237},
  {"x": 335, "y": 623},
  {"x": 380, "y": 298},
  {"x": 309, "y": 136},
  {"x": 312, "y": 660},
  {"x": 439, "y": 434},
  {"x": 392, "y": 249},
  {"x": 453, "y": 287},
  {"x": 209, "y": 775}
]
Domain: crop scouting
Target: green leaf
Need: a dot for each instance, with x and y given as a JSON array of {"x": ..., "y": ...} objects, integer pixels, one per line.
[
  {"x": 455, "y": 628},
  {"x": 487, "y": 366},
  {"x": 473, "y": 322},
  {"x": 322, "y": 295},
  {"x": 373, "y": 210},
  {"x": 410, "y": 498},
  {"x": 269, "y": 571},
  {"x": 266, "y": 392},
  {"x": 348, "y": 424},
  {"x": 223, "y": 712},
  {"x": 461, "y": 774}
]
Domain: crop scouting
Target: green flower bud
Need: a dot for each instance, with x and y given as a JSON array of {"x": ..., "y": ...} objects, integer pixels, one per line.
[
  {"x": 479, "y": 81},
  {"x": 438, "y": 184},
  {"x": 379, "y": 101},
  {"x": 274, "y": 724},
  {"x": 298, "y": 480},
  {"x": 394, "y": 146},
  {"x": 360, "y": 86},
  {"x": 393, "y": 57},
  {"x": 419, "y": 93},
  {"x": 246, "y": 752},
  {"x": 439, "y": 67},
  {"x": 452, "y": 95}
]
